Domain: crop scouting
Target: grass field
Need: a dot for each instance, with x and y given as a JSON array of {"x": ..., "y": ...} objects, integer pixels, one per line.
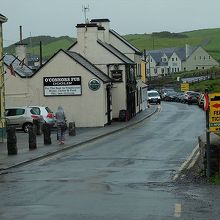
[
  {"x": 211, "y": 85},
  {"x": 208, "y": 38},
  {"x": 51, "y": 48}
]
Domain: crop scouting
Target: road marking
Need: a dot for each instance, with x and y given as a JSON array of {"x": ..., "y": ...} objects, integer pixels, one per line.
[
  {"x": 178, "y": 210},
  {"x": 188, "y": 162}
]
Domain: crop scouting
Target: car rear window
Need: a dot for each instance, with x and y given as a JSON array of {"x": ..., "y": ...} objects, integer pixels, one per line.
[
  {"x": 36, "y": 110},
  {"x": 151, "y": 94},
  {"x": 48, "y": 110}
]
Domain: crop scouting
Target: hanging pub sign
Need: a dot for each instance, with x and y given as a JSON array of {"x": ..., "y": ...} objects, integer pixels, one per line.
[
  {"x": 62, "y": 86},
  {"x": 117, "y": 75}
]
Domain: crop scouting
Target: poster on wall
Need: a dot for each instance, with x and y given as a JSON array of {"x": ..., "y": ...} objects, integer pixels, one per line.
[{"x": 62, "y": 86}]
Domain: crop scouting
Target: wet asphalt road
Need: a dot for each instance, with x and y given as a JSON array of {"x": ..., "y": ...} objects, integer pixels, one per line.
[{"x": 127, "y": 175}]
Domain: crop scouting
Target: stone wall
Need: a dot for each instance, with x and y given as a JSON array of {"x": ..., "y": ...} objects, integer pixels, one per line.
[{"x": 214, "y": 154}]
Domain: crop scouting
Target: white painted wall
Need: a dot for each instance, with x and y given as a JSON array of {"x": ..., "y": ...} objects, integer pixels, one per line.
[
  {"x": 87, "y": 110},
  {"x": 199, "y": 59},
  {"x": 101, "y": 57},
  {"x": 175, "y": 63},
  {"x": 122, "y": 46},
  {"x": 144, "y": 97},
  {"x": 21, "y": 52},
  {"x": 119, "y": 98},
  {"x": 16, "y": 90},
  {"x": 151, "y": 65}
]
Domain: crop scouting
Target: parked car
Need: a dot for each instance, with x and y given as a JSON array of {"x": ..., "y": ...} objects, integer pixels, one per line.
[
  {"x": 47, "y": 114},
  {"x": 191, "y": 97},
  {"x": 165, "y": 91},
  {"x": 153, "y": 97},
  {"x": 21, "y": 117},
  {"x": 180, "y": 97},
  {"x": 170, "y": 96}
]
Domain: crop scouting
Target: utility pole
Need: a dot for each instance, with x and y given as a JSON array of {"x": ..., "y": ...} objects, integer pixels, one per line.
[
  {"x": 153, "y": 40},
  {"x": 207, "y": 136}
]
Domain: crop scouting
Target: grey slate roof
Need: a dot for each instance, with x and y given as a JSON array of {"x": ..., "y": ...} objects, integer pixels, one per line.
[
  {"x": 116, "y": 52},
  {"x": 22, "y": 71},
  {"x": 156, "y": 56},
  {"x": 125, "y": 41},
  {"x": 181, "y": 53},
  {"x": 89, "y": 66}
]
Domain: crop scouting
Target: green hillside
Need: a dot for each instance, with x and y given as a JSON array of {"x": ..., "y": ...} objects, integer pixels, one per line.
[
  {"x": 208, "y": 38},
  {"x": 50, "y": 45}
]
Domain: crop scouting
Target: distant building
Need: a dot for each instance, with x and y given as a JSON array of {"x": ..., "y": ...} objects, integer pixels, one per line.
[
  {"x": 172, "y": 60},
  {"x": 3, "y": 19}
]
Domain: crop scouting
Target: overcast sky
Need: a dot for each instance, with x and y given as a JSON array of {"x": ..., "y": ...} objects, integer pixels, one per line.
[{"x": 59, "y": 17}]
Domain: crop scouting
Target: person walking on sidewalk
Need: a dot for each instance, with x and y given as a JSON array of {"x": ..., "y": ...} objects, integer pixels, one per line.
[{"x": 61, "y": 124}]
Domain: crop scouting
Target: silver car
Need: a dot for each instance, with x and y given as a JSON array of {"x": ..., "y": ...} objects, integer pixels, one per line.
[
  {"x": 21, "y": 117},
  {"x": 46, "y": 113}
]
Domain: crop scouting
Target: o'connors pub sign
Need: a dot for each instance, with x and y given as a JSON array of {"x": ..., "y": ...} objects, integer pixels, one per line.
[{"x": 62, "y": 86}]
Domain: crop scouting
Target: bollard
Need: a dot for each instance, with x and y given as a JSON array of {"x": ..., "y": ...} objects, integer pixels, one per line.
[
  {"x": 32, "y": 138},
  {"x": 12, "y": 141},
  {"x": 72, "y": 129},
  {"x": 37, "y": 127},
  {"x": 47, "y": 132}
]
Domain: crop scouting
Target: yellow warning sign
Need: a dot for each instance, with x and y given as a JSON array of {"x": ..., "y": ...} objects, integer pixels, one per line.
[
  {"x": 214, "y": 113},
  {"x": 184, "y": 87}
]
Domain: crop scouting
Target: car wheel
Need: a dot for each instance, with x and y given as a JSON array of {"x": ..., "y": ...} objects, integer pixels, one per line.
[{"x": 26, "y": 127}]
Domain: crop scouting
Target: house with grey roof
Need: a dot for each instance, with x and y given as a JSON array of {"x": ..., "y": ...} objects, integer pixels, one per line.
[
  {"x": 70, "y": 80},
  {"x": 172, "y": 60},
  {"x": 19, "y": 67}
]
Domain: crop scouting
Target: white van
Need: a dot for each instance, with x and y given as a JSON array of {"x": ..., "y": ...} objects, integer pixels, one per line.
[{"x": 153, "y": 97}]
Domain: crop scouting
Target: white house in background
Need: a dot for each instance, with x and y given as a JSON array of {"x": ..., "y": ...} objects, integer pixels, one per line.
[{"x": 172, "y": 60}]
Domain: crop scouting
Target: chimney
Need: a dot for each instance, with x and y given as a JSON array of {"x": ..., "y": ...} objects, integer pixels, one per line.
[
  {"x": 101, "y": 33},
  {"x": 187, "y": 50},
  {"x": 20, "y": 49},
  {"x": 105, "y": 24},
  {"x": 87, "y": 34}
]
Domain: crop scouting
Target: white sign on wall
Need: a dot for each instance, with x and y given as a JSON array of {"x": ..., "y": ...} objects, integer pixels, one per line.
[{"x": 62, "y": 86}]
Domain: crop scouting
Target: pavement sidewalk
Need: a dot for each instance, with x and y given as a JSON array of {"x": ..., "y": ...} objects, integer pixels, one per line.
[{"x": 83, "y": 135}]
